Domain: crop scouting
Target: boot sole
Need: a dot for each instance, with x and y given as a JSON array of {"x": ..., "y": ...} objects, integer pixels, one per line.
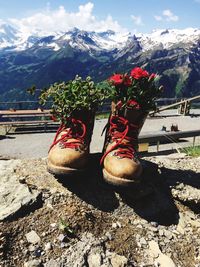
[
  {"x": 63, "y": 170},
  {"x": 117, "y": 181}
]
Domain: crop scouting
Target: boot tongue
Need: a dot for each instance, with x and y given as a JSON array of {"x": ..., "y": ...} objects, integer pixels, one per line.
[
  {"x": 83, "y": 115},
  {"x": 87, "y": 117}
]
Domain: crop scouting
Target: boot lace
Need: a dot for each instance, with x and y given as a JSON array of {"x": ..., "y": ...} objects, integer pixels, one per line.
[
  {"x": 123, "y": 133},
  {"x": 76, "y": 131}
]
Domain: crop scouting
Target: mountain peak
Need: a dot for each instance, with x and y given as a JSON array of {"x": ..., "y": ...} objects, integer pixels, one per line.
[
  {"x": 169, "y": 37},
  {"x": 11, "y": 38}
]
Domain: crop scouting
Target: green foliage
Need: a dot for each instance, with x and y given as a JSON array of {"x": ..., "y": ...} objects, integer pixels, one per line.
[
  {"x": 66, "y": 229},
  {"x": 77, "y": 94},
  {"x": 145, "y": 91},
  {"x": 192, "y": 151}
]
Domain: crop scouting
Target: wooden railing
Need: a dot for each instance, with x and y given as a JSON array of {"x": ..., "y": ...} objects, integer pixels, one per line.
[
  {"x": 184, "y": 105},
  {"x": 10, "y": 118},
  {"x": 170, "y": 137}
]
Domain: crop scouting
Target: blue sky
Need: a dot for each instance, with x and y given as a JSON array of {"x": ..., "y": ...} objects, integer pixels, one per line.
[{"x": 120, "y": 15}]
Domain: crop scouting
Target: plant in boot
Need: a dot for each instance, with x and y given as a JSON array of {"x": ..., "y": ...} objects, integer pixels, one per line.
[
  {"x": 132, "y": 95},
  {"x": 74, "y": 105}
]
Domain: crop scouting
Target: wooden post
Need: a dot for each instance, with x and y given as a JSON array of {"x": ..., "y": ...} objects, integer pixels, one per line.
[
  {"x": 193, "y": 143},
  {"x": 185, "y": 108},
  {"x": 158, "y": 143}
]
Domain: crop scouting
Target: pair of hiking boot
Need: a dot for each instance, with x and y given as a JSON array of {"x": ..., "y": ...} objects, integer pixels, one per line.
[{"x": 69, "y": 153}]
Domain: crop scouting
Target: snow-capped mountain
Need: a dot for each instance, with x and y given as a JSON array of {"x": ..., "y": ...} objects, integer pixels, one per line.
[
  {"x": 43, "y": 58},
  {"x": 16, "y": 40},
  {"x": 167, "y": 38},
  {"x": 8, "y": 36},
  {"x": 12, "y": 39}
]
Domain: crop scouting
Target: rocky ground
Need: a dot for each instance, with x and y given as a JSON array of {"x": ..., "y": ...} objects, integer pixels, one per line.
[{"x": 83, "y": 222}]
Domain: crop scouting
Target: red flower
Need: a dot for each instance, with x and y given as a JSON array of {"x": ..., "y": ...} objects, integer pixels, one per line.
[
  {"x": 116, "y": 79},
  {"x": 119, "y": 79},
  {"x": 138, "y": 73},
  {"x": 132, "y": 103}
]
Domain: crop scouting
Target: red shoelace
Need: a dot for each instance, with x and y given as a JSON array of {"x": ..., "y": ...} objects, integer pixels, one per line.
[
  {"x": 121, "y": 129},
  {"x": 77, "y": 131}
]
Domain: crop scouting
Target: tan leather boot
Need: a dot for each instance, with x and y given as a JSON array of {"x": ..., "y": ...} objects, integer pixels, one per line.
[
  {"x": 69, "y": 152},
  {"x": 121, "y": 165}
]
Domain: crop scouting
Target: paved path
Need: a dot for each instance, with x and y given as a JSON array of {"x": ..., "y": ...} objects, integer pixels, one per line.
[{"x": 36, "y": 145}]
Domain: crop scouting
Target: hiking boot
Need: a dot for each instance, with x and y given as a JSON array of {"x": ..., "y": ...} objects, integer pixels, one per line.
[
  {"x": 69, "y": 152},
  {"x": 120, "y": 162}
]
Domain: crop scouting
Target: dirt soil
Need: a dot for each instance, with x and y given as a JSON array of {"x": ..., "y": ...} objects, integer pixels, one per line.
[{"x": 125, "y": 221}]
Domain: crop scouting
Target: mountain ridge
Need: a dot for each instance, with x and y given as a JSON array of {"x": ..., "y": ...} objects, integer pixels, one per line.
[
  {"x": 24, "y": 61},
  {"x": 16, "y": 40}
]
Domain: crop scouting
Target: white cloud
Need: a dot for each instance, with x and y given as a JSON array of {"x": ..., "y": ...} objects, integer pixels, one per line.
[
  {"x": 60, "y": 19},
  {"x": 158, "y": 18},
  {"x": 137, "y": 20},
  {"x": 167, "y": 15}
]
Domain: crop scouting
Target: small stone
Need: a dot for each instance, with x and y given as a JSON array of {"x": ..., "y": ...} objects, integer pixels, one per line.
[
  {"x": 119, "y": 224},
  {"x": 168, "y": 234},
  {"x": 52, "y": 263},
  {"x": 114, "y": 225},
  {"x": 162, "y": 244},
  {"x": 154, "y": 249},
  {"x": 154, "y": 229},
  {"x": 143, "y": 241},
  {"x": 32, "y": 237},
  {"x": 38, "y": 252},
  {"x": 154, "y": 224},
  {"x": 108, "y": 235},
  {"x": 25, "y": 251},
  {"x": 161, "y": 232},
  {"x": 48, "y": 246},
  {"x": 180, "y": 229},
  {"x": 32, "y": 263},
  {"x": 137, "y": 237},
  {"x": 94, "y": 260},
  {"x": 195, "y": 223},
  {"x": 62, "y": 238},
  {"x": 49, "y": 206},
  {"x": 180, "y": 186},
  {"x": 166, "y": 240},
  {"x": 165, "y": 261},
  {"x": 62, "y": 245},
  {"x": 53, "y": 225},
  {"x": 31, "y": 248},
  {"x": 118, "y": 261}
]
